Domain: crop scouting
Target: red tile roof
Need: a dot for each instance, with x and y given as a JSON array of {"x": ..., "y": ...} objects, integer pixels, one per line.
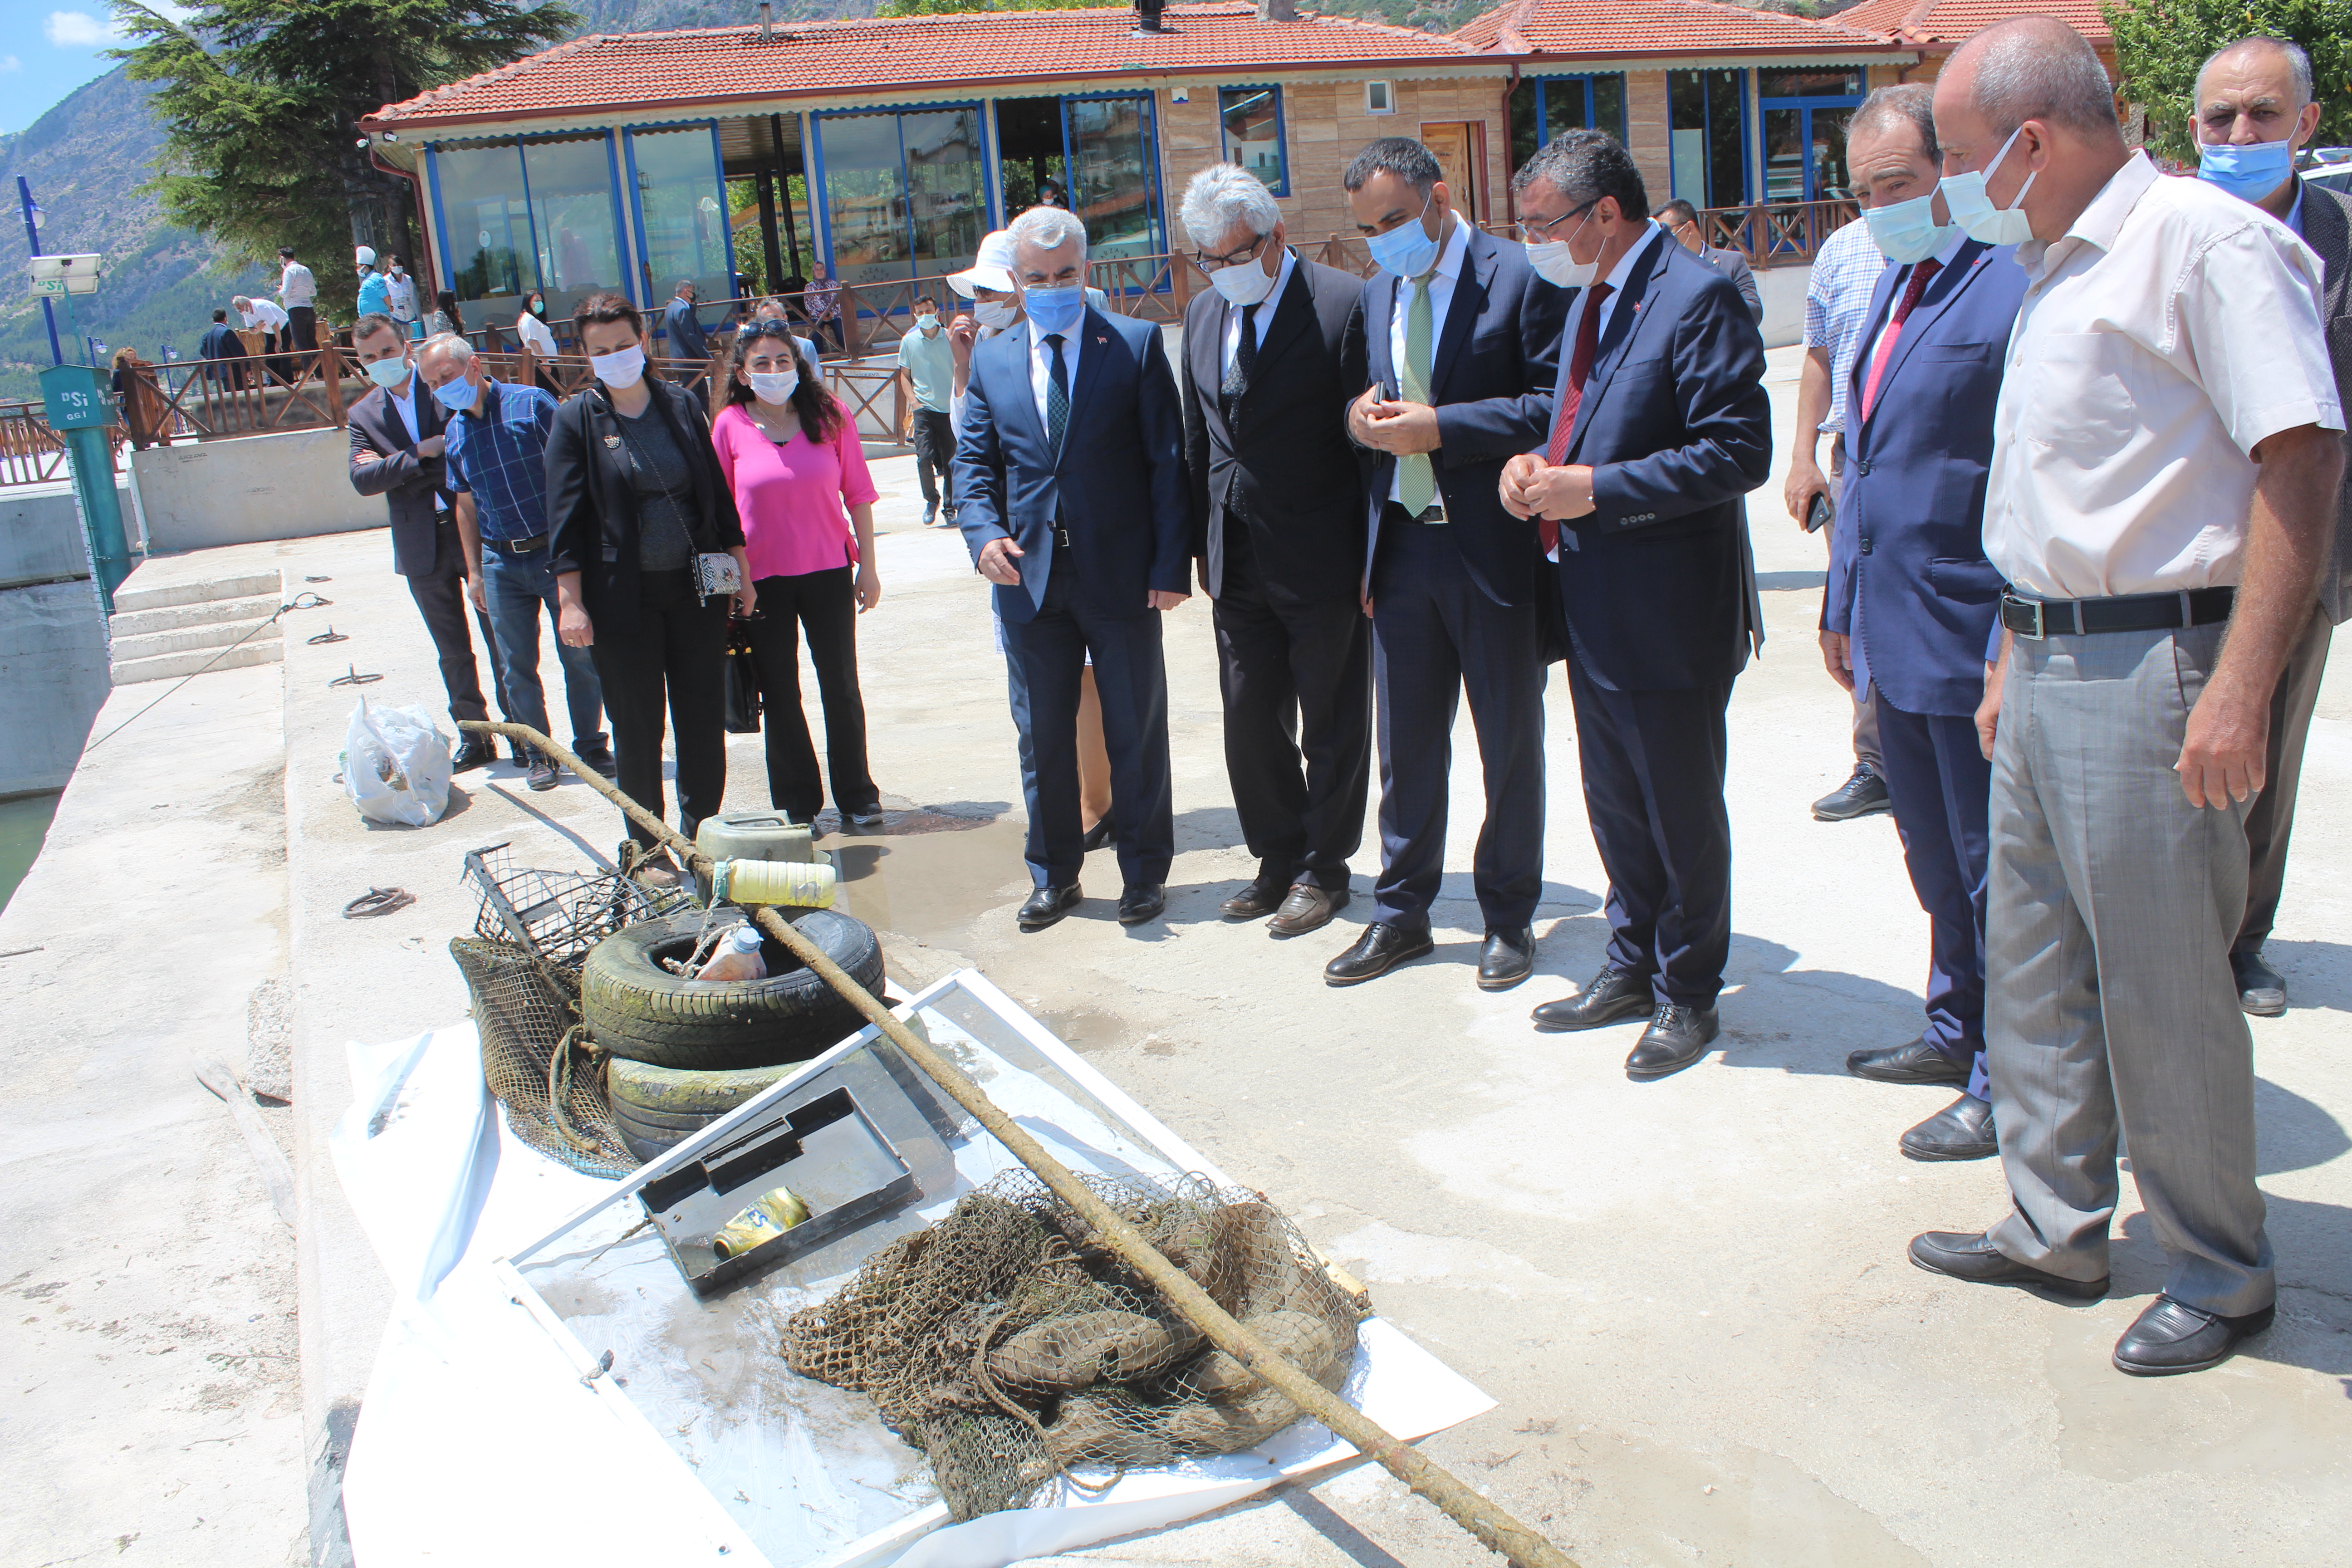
[
  {"x": 1588, "y": 28},
  {"x": 660, "y": 71},
  {"x": 1918, "y": 22}
]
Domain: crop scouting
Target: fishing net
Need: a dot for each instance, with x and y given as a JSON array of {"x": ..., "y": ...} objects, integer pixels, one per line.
[
  {"x": 1010, "y": 1345},
  {"x": 536, "y": 1056}
]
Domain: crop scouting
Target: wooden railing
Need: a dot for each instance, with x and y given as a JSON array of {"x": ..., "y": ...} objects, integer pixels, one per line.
[{"x": 33, "y": 454}]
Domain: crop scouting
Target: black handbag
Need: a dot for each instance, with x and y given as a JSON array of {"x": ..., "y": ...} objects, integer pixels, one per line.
[{"x": 743, "y": 681}]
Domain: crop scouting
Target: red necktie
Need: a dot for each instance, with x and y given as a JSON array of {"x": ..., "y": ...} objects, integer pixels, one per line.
[
  {"x": 1580, "y": 370},
  {"x": 1920, "y": 277}
]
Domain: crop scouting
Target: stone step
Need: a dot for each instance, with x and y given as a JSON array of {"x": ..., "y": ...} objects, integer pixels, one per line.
[
  {"x": 172, "y": 666},
  {"x": 188, "y": 639},
  {"x": 136, "y": 595},
  {"x": 172, "y": 617}
]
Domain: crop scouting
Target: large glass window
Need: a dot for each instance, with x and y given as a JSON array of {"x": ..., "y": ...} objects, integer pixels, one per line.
[
  {"x": 906, "y": 195},
  {"x": 571, "y": 185},
  {"x": 681, "y": 213},
  {"x": 1547, "y": 107},
  {"x": 946, "y": 188},
  {"x": 1111, "y": 158},
  {"x": 1708, "y": 135},
  {"x": 486, "y": 224},
  {"x": 1251, "y": 117},
  {"x": 1805, "y": 116}
]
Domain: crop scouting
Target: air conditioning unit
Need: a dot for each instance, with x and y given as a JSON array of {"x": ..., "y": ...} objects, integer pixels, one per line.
[{"x": 63, "y": 274}]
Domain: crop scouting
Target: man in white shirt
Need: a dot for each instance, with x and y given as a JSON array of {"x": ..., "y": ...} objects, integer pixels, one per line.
[
  {"x": 298, "y": 292},
  {"x": 265, "y": 317},
  {"x": 2166, "y": 456},
  {"x": 401, "y": 290}
]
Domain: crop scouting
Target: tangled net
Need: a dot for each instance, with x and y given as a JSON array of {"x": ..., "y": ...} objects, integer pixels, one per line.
[
  {"x": 536, "y": 1057},
  {"x": 1010, "y": 1345}
]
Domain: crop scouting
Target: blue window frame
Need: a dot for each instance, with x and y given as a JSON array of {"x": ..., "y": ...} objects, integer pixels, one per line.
[
  {"x": 900, "y": 193},
  {"x": 1707, "y": 130},
  {"x": 1249, "y": 123},
  {"x": 1545, "y": 107},
  {"x": 1805, "y": 114},
  {"x": 678, "y": 210}
]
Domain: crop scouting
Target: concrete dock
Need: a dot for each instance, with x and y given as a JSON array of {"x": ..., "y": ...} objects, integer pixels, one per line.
[{"x": 1690, "y": 1297}]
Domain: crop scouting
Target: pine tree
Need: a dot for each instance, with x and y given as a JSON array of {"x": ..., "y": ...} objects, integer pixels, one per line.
[{"x": 2159, "y": 43}]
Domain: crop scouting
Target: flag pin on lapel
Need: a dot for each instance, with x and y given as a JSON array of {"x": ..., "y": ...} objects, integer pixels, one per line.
[{"x": 612, "y": 440}]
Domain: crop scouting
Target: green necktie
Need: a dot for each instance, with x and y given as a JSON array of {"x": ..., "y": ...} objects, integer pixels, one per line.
[{"x": 1416, "y": 476}]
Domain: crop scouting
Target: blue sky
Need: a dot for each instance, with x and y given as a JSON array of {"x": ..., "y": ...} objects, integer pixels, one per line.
[{"x": 48, "y": 49}]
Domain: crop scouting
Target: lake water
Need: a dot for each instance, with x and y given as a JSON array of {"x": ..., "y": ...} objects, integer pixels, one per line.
[{"x": 22, "y": 824}]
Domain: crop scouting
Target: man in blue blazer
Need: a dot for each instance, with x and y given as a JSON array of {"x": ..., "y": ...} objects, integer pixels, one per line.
[
  {"x": 1073, "y": 498},
  {"x": 1658, "y": 428},
  {"x": 1912, "y": 601},
  {"x": 1458, "y": 338}
]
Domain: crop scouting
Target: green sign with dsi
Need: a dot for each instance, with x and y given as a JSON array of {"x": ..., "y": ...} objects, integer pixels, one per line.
[{"x": 77, "y": 398}]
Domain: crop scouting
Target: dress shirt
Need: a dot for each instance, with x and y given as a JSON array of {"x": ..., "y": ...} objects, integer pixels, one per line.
[
  {"x": 501, "y": 458},
  {"x": 1041, "y": 372},
  {"x": 406, "y": 404},
  {"x": 1440, "y": 300},
  {"x": 1866, "y": 348},
  {"x": 296, "y": 286},
  {"x": 2164, "y": 336},
  {"x": 1265, "y": 308},
  {"x": 1650, "y": 235},
  {"x": 1837, "y": 307},
  {"x": 265, "y": 315},
  {"x": 535, "y": 333},
  {"x": 402, "y": 292}
]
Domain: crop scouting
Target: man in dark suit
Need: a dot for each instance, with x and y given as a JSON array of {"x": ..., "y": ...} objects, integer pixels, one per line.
[
  {"x": 1279, "y": 529},
  {"x": 1459, "y": 336},
  {"x": 686, "y": 340},
  {"x": 1659, "y": 426},
  {"x": 2255, "y": 92},
  {"x": 1070, "y": 490},
  {"x": 1912, "y": 601},
  {"x": 395, "y": 444},
  {"x": 221, "y": 348},
  {"x": 1680, "y": 219}
]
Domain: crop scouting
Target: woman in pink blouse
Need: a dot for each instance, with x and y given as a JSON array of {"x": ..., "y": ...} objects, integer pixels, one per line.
[{"x": 790, "y": 452}]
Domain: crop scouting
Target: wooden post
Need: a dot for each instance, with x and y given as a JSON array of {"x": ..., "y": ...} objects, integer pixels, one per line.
[{"x": 330, "y": 361}]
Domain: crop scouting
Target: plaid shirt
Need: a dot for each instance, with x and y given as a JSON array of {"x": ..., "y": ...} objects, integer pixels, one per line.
[
  {"x": 1845, "y": 270},
  {"x": 501, "y": 459}
]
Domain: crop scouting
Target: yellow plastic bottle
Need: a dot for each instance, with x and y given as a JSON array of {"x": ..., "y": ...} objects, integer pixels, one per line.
[{"x": 790, "y": 882}]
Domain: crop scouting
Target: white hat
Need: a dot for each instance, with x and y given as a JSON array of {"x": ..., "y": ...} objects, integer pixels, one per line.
[
  {"x": 365, "y": 254},
  {"x": 993, "y": 269}
]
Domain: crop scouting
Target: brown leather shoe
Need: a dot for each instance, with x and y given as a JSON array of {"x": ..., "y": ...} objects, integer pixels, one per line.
[
  {"x": 1308, "y": 907},
  {"x": 1263, "y": 896}
]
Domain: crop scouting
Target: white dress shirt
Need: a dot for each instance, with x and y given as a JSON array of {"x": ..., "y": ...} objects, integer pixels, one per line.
[
  {"x": 265, "y": 315},
  {"x": 2164, "y": 337},
  {"x": 296, "y": 286},
  {"x": 401, "y": 292},
  {"x": 407, "y": 406},
  {"x": 1041, "y": 373},
  {"x": 1440, "y": 300},
  {"x": 1652, "y": 234},
  {"x": 1265, "y": 308}
]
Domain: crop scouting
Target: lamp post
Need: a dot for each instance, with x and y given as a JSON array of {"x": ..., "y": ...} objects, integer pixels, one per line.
[{"x": 80, "y": 407}]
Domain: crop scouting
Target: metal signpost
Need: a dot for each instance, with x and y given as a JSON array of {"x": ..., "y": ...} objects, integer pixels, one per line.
[{"x": 80, "y": 408}]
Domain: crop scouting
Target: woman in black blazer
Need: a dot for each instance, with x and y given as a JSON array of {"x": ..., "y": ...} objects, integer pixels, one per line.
[{"x": 634, "y": 494}]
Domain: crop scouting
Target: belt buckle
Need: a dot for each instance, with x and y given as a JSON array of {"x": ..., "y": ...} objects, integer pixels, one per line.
[{"x": 2040, "y": 628}]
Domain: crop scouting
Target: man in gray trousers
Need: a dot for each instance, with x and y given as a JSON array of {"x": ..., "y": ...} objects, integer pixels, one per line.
[{"x": 2166, "y": 455}]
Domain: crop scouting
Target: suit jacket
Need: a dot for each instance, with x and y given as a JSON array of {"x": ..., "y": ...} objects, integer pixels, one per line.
[
  {"x": 1908, "y": 578},
  {"x": 686, "y": 339},
  {"x": 1657, "y": 582},
  {"x": 1118, "y": 484},
  {"x": 384, "y": 463},
  {"x": 591, "y": 504},
  {"x": 2328, "y": 229},
  {"x": 1299, "y": 480},
  {"x": 1733, "y": 265},
  {"x": 1497, "y": 355}
]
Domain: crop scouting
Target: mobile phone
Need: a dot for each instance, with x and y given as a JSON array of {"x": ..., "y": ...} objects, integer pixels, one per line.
[
  {"x": 1388, "y": 390},
  {"x": 1819, "y": 515}
]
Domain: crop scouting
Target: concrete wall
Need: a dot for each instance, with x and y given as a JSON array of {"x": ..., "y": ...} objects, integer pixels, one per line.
[
  {"x": 40, "y": 535},
  {"x": 293, "y": 484},
  {"x": 53, "y": 670},
  {"x": 1782, "y": 289}
]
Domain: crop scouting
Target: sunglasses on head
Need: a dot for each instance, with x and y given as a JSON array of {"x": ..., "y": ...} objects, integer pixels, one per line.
[{"x": 768, "y": 327}]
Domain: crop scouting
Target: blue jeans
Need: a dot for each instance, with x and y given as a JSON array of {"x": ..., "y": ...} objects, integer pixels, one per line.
[{"x": 516, "y": 586}]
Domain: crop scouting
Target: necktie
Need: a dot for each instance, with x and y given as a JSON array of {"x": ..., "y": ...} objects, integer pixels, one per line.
[
  {"x": 1920, "y": 277},
  {"x": 1579, "y": 371},
  {"x": 1244, "y": 365},
  {"x": 1417, "y": 476},
  {"x": 1058, "y": 396}
]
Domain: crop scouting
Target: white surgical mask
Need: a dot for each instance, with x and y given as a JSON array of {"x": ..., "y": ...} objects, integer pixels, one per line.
[
  {"x": 1973, "y": 210},
  {"x": 995, "y": 314},
  {"x": 1907, "y": 232},
  {"x": 1554, "y": 265},
  {"x": 927, "y": 320},
  {"x": 1245, "y": 283},
  {"x": 774, "y": 386},
  {"x": 624, "y": 367}
]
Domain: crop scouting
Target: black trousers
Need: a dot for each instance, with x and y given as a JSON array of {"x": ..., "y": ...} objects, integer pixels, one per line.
[
  {"x": 825, "y": 605},
  {"x": 1297, "y": 681},
  {"x": 934, "y": 452},
  {"x": 1654, "y": 764},
  {"x": 676, "y": 651},
  {"x": 441, "y": 600},
  {"x": 2270, "y": 822},
  {"x": 301, "y": 333}
]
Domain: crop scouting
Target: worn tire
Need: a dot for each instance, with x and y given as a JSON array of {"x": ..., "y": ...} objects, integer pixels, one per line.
[{"x": 639, "y": 1011}]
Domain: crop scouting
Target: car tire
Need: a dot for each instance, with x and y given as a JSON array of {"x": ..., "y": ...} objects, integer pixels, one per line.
[{"x": 640, "y": 1011}]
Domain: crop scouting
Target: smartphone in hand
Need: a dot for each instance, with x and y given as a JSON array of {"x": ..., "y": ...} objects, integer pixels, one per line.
[{"x": 1819, "y": 515}]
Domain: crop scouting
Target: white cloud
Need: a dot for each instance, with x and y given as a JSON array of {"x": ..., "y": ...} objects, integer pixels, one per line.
[
  {"x": 10, "y": 63},
  {"x": 80, "y": 30}
]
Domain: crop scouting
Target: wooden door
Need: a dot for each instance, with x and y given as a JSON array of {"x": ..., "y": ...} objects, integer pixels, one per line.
[{"x": 1457, "y": 144}]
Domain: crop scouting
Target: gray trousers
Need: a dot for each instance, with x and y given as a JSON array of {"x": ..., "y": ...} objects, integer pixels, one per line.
[
  {"x": 2110, "y": 1005},
  {"x": 2272, "y": 821}
]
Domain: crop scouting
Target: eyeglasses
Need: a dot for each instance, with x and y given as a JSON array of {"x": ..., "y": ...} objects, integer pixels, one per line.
[
  {"x": 1208, "y": 263},
  {"x": 1535, "y": 234},
  {"x": 767, "y": 327}
]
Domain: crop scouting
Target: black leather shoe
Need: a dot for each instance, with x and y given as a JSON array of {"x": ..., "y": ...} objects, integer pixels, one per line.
[
  {"x": 2171, "y": 1336},
  {"x": 1859, "y": 795},
  {"x": 2261, "y": 990},
  {"x": 1307, "y": 908},
  {"x": 474, "y": 751},
  {"x": 1508, "y": 957},
  {"x": 1141, "y": 902},
  {"x": 1961, "y": 1255},
  {"x": 1914, "y": 1061},
  {"x": 1099, "y": 836},
  {"x": 1261, "y": 896},
  {"x": 1047, "y": 905},
  {"x": 1677, "y": 1037},
  {"x": 1381, "y": 949},
  {"x": 1614, "y": 995},
  {"x": 600, "y": 760},
  {"x": 1961, "y": 1131}
]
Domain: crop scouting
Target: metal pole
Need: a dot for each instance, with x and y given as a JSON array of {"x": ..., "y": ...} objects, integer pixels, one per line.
[{"x": 33, "y": 248}]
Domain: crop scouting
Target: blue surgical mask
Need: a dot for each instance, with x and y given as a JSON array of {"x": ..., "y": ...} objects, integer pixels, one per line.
[
  {"x": 2249, "y": 173},
  {"x": 388, "y": 372},
  {"x": 1407, "y": 250},
  {"x": 1973, "y": 210},
  {"x": 457, "y": 396},
  {"x": 1907, "y": 232},
  {"x": 1055, "y": 310}
]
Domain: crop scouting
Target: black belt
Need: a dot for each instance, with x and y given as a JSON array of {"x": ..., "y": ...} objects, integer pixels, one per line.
[
  {"x": 2038, "y": 618},
  {"x": 517, "y": 546}
]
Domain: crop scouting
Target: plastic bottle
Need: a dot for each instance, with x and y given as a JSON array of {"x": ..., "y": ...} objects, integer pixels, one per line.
[
  {"x": 737, "y": 958},
  {"x": 772, "y": 882}
]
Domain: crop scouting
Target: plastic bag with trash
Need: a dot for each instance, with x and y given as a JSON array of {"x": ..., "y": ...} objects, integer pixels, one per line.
[{"x": 396, "y": 766}]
